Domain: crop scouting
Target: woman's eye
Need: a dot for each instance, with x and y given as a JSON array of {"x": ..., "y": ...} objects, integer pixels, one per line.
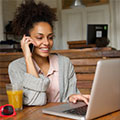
[{"x": 51, "y": 38}]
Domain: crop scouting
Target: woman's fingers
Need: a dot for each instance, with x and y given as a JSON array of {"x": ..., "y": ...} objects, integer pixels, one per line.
[
  {"x": 25, "y": 42},
  {"x": 73, "y": 99},
  {"x": 85, "y": 100},
  {"x": 76, "y": 97},
  {"x": 81, "y": 97},
  {"x": 87, "y": 96},
  {"x": 30, "y": 40}
]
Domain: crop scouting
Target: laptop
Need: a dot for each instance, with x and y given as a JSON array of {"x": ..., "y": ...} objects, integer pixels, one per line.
[{"x": 105, "y": 94}]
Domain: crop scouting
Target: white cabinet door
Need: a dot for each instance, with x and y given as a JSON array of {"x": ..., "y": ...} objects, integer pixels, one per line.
[{"x": 74, "y": 22}]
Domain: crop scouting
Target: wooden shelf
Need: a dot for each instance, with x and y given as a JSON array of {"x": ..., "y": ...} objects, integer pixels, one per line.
[{"x": 79, "y": 44}]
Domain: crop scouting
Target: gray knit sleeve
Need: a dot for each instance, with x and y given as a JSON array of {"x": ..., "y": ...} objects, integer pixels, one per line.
[
  {"x": 72, "y": 80},
  {"x": 34, "y": 88},
  {"x": 68, "y": 80}
]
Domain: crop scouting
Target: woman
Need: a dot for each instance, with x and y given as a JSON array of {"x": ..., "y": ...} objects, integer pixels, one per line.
[{"x": 45, "y": 77}]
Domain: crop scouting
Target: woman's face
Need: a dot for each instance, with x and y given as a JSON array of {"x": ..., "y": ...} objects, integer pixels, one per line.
[{"x": 42, "y": 34}]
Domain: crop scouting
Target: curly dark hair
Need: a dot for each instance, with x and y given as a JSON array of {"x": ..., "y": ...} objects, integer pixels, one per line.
[{"x": 29, "y": 13}]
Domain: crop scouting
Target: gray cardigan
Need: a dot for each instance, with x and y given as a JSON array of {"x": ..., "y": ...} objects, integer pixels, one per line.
[{"x": 35, "y": 88}]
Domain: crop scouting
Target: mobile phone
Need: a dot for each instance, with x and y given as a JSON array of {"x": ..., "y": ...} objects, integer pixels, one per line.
[{"x": 31, "y": 46}]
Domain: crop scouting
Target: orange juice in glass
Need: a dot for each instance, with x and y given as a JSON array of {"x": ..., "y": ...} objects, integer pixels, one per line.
[{"x": 15, "y": 95}]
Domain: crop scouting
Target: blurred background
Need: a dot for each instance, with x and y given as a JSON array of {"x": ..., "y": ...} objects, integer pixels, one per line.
[{"x": 72, "y": 21}]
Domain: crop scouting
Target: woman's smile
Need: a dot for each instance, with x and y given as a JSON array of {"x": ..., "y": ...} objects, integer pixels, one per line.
[{"x": 44, "y": 49}]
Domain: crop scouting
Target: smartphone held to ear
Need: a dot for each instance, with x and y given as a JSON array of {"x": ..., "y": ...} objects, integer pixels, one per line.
[{"x": 31, "y": 46}]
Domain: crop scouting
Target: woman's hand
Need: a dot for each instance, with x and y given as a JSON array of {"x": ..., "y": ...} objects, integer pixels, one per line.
[
  {"x": 76, "y": 97},
  {"x": 25, "y": 42}
]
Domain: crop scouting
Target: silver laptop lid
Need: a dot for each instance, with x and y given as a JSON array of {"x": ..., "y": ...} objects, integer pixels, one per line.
[{"x": 105, "y": 93}]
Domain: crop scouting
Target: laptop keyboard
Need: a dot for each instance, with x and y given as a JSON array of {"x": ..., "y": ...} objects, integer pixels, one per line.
[{"x": 77, "y": 111}]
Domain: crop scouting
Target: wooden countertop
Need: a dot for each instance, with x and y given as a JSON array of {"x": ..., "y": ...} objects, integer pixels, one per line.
[{"x": 35, "y": 113}]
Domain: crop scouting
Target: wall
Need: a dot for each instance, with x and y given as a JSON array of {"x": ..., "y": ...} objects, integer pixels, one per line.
[
  {"x": 9, "y": 7},
  {"x": 115, "y": 24},
  {"x": 75, "y": 22}
]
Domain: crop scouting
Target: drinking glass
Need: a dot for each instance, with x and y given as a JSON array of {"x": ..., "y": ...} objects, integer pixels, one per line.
[{"x": 15, "y": 95}]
